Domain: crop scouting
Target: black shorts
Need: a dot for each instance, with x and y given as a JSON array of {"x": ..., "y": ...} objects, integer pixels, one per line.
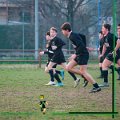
[
  {"x": 58, "y": 58},
  {"x": 54, "y": 66},
  {"x": 101, "y": 59},
  {"x": 110, "y": 57},
  {"x": 82, "y": 59}
]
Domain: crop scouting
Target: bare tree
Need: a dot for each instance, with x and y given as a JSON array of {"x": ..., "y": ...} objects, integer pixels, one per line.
[{"x": 65, "y": 8}]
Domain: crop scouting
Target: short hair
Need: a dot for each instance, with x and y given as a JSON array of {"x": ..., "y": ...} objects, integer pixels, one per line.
[
  {"x": 66, "y": 26},
  {"x": 54, "y": 29},
  {"x": 119, "y": 25},
  {"x": 48, "y": 33},
  {"x": 107, "y": 26}
]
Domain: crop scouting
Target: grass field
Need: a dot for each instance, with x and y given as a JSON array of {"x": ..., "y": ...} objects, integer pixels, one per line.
[{"x": 21, "y": 85}]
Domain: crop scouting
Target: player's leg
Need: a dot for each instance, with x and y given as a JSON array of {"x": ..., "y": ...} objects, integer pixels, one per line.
[
  {"x": 85, "y": 81},
  {"x": 70, "y": 67},
  {"x": 84, "y": 73},
  {"x": 61, "y": 73},
  {"x": 83, "y": 70},
  {"x": 50, "y": 66},
  {"x": 51, "y": 82},
  {"x": 51, "y": 73},
  {"x": 100, "y": 66},
  {"x": 56, "y": 76},
  {"x": 111, "y": 67},
  {"x": 46, "y": 68},
  {"x": 105, "y": 65},
  {"x": 71, "y": 74},
  {"x": 76, "y": 80},
  {"x": 82, "y": 60}
]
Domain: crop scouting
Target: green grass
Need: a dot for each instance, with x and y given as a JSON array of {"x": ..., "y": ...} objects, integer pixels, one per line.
[{"x": 21, "y": 85}]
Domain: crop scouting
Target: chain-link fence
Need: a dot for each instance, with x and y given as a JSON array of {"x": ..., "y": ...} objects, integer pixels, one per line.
[{"x": 18, "y": 23}]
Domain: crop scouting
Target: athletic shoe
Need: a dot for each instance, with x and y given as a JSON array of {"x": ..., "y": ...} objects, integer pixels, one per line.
[
  {"x": 62, "y": 74},
  {"x": 95, "y": 90},
  {"x": 59, "y": 84},
  {"x": 50, "y": 83},
  {"x": 105, "y": 84},
  {"x": 85, "y": 83},
  {"x": 76, "y": 82}
]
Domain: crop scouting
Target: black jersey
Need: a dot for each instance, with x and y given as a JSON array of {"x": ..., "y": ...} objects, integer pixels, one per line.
[
  {"x": 109, "y": 42},
  {"x": 56, "y": 41},
  {"x": 78, "y": 44},
  {"x": 83, "y": 38},
  {"x": 58, "y": 56},
  {"x": 49, "y": 51}
]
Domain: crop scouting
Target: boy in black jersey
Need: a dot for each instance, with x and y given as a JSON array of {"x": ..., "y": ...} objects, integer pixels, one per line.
[
  {"x": 83, "y": 38},
  {"x": 100, "y": 52},
  {"x": 50, "y": 53},
  {"x": 108, "y": 48},
  {"x": 58, "y": 57},
  {"x": 110, "y": 58},
  {"x": 80, "y": 57}
]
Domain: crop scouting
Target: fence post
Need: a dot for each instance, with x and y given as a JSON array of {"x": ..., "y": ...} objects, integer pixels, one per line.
[
  {"x": 39, "y": 58},
  {"x": 36, "y": 29}
]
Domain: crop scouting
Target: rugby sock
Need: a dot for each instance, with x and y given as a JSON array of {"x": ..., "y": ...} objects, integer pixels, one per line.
[
  {"x": 51, "y": 75},
  {"x": 84, "y": 77},
  {"x": 101, "y": 71},
  {"x": 105, "y": 74},
  {"x": 95, "y": 85},
  {"x": 57, "y": 78},
  {"x": 111, "y": 67},
  {"x": 57, "y": 71},
  {"x": 73, "y": 75}
]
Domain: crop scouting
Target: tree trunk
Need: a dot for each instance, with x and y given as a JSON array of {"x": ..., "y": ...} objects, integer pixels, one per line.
[{"x": 70, "y": 17}]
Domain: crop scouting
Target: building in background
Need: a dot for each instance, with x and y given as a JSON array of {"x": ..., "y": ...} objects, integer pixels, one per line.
[
  {"x": 13, "y": 11},
  {"x": 9, "y": 12}
]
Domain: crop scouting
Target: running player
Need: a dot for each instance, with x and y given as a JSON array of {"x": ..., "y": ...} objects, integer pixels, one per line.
[
  {"x": 100, "y": 52},
  {"x": 80, "y": 57},
  {"x": 110, "y": 57},
  {"x": 58, "y": 57},
  {"x": 50, "y": 52},
  {"x": 107, "y": 48}
]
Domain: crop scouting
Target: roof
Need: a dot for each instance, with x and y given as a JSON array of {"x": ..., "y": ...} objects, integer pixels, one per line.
[{"x": 2, "y": 5}]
